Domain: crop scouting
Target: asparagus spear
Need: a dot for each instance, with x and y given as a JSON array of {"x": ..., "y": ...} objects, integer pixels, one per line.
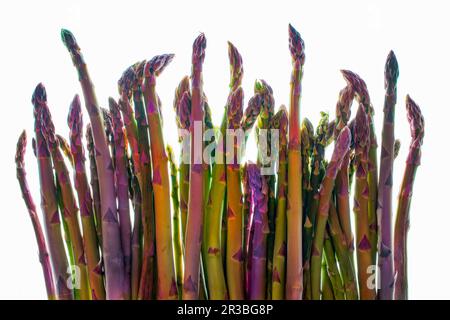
[
  {"x": 70, "y": 212},
  {"x": 234, "y": 247},
  {"x": 94, "y": 183},
  {"x": 343, "y": 111},
  {"x": 260, "y": 229},
  {"x": 332, "y": 268},
  {"x": 362, "y": 96},
  {"x": 194, "y": 225},
  {"x": 182, "y": 107},
  {"x": 177, "y": 235},
  {"x": 361, "y": 205},
  {"x": 65, "y": 148},
  {"x": 416, "y": 123},
  {"x": 280, "y": 122},
  {"x": 167, "y": 287},
  {"x": 147, "y": 287},
  {"x": 342, "y": 146},
  {"x": 307, "y": 140},
  {"x": 384, "y": 210},
  {"x": 44, "y": 257},
  {"x": 122, "y": 189},
  {"x": 75, "y": 122},
  {"x": 49, "y": 205},
  {"x": 327, "y": 287},
  {"x": 294, "y": 273},
  {"x": 112, "y": 250}
]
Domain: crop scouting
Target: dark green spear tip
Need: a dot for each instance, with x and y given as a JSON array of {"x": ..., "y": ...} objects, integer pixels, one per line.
[
  {"x": 68, "y": 39},
  {"x": 391, "y": 71}
]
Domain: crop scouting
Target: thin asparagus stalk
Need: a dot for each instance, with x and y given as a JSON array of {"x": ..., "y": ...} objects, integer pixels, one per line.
[
  {"x": 49, "y": 204},
  {"x": 307, "y": 139},
  {"x": 327, "y": 287},
  {"x": 111, "y": 245},
  {"x": 122, "y": 190},
  {"x": 263, "y": 122},
  {"x": 360, "y": 208},
  {"x": 416, "y": 123},
  {"x": 362, "y": 96},
  {"x": 147, "y": 288},
  {"x": 136, "y": 240},
  {"x": 294, "y": 273},
  {"x": 342, "y": 146},
  {"x": 280, "y": 122},
  {"x": 332, "y": 268},
  {"x": 384, "y": 210},
  {"x": 166, "y": 285},
  {"x": 343, "y": 253},
  {"x": 70, "y": 212},
  {"x": 234, "y": 247},
  {"x": 44, "y": 257},
  {"x": 260, "y": 229},
  {"x": 75, "y": 122},
  {"x": 177, "y": 235},
  {"x": 317, "y": 169},
  {"x": 343, "y": 112}
]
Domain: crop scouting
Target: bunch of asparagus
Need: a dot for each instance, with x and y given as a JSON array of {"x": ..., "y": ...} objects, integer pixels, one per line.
[{"x": 137, "y": 225}]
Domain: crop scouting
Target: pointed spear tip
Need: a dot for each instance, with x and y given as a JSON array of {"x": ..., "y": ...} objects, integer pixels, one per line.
[
  {"x": 296, "y": 45},
  {"x": 391, "y": 70},
  {"x": 68, "y": 39},
  {"x": 21, "y": 147}
]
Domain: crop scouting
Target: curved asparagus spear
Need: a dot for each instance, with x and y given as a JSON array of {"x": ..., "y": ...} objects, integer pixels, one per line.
[
  {"x": 234, "y": 248},
  {"x": 362, "y": 96},
  {"x": 70, "y": 212},
  {"x": 280, "y": 122},
  {"x": 167, "y": 287},
  {"x": 361, "y": 205},
  {"x": 49, "y": 204},
  {"x": 416, "y": 123},
  {"x": 260, "y": 229},
  {"x": 75, "y": 122},
  {"x": 122, "y": 189},
  {"x": 294, "y": 273},
  {"x": 112, "y": 249},
  {"x": 384, "y": 210},
  {"x": 44, "y": 257},
  {"x": 177, "y": 235},
  {"x": 342, "y": 146}
]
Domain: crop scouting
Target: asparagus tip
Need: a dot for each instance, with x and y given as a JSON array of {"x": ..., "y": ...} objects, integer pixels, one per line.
[
  {"x": 39, "y": 94},
  {"x": 342, "y": 146},
  {"x": 296, "y": 45},
  {"x": 397, "y": 145},
  {"x": 416, "y": 120},
  {"x": 235, "y": 110},
  {"x": 68, "y": 39},
  {"x": 74, "y": 117},
  {"x": 391, "y": 71},
  {"x": 236, "y": 67},
  {"x": 157, "y": 64},
  {"x": 21, "y": 148},
  {"x": 198, "y": 49}
]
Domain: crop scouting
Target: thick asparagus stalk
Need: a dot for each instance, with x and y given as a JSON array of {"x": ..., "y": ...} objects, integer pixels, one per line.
[
  {"x": 342, "y": 146},
  {"x": 416, "y": 123},
  {"x": 49, "y": 204},
  {"x": 361, "y": 204},
  {"x": 70, "y": 211},
  {"x": 234, "y": 248},
  {"x": 167, "y": 287},
  {"x": 280, "y": 122},
  {"x": 384, "y": 210},
  {"x": 362, "y": 96},
  {"x": 294, "y": 273},
  {"x": 194, "y": 225},
  {"x": 122, "y": 189},
  {"x": 260, "y": 229},
  {"x": 111, "y": 245},
  {"x": 44, "y": 257},
  {"x": 75, "y": 122},
  {"x": 176, "y": 218}
]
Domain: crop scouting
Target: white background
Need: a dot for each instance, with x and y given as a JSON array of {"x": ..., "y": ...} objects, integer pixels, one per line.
[{"x": 355, "y": 35}]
